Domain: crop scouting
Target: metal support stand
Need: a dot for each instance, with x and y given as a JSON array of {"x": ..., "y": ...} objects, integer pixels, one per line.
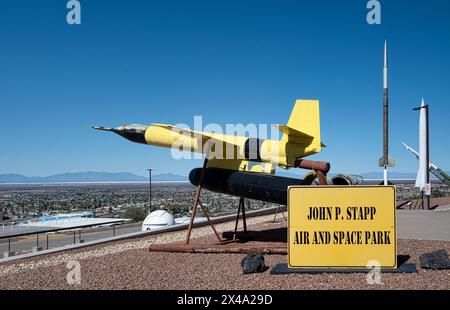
[
  {"x": 321, "y": 176},
  {"x": 244, "y": 220},
  {"x": 419, "y": 201},
  {"x": 230, "y": 245},
  {"x": 197, "y": 202},
  {"x": 276, "y": 213},
  {"x": 47, "y": 241},
  {"x": 320, "y": 168}
]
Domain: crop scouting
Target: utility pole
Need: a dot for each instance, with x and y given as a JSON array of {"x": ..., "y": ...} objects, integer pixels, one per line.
[{"x": 150, "y": 188}]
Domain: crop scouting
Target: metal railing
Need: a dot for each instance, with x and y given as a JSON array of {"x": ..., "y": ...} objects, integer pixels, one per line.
[{"x": 54, "y": 230}]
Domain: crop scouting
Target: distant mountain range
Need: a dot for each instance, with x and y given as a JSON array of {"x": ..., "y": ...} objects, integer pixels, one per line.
[
  {"x": 367, "y": 176},
  {"x": 168, "y": 177},
  {"x": 89, "y": 176},
  {"x": 93, "y": 176},
  {"x": 392, "y": 175},
  {"x": 395, "y": 175}
]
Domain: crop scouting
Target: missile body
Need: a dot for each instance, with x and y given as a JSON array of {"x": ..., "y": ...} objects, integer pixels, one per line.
[
  {"x": 385, "y": 106},
  {"x": 257, "y": 186},
  {"x": 301, "y": 138},
  {"x": 225, "y": 146},
  {"x": 230, "y": 165},
  {"x": 422, "y": 173},
  {"x": 385, "y": 160}
]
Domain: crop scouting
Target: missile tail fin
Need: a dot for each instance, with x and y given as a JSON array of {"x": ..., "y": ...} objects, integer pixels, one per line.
[
  {"x": 386, "y": 161},
  {"x": 305, "y": 118}
]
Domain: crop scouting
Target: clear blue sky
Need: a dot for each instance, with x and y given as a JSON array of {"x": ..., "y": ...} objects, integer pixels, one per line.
[{"x": 229, "y": 61}]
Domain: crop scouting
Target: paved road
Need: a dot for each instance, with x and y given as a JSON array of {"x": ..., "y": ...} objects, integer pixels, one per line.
[
  {"x": 423, "y": 225},
  {"x": 16, "y": 229},
  {"x": 25, "y": 244}
]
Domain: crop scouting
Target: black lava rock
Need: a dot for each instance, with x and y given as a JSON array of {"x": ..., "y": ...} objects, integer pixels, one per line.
[
  {"x": 253, "y": 263},
  {"x": 435, "y": 260}
]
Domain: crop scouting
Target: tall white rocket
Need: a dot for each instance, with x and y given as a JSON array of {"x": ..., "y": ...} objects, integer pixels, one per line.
[
  {"x": 386, "y": 160},
  {"x": 422, "y": 173}
]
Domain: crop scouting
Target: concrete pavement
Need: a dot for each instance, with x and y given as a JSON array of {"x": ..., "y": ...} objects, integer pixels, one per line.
[
  {"x": 423, "y": 225},
  {"x": 25, "y": 244}
]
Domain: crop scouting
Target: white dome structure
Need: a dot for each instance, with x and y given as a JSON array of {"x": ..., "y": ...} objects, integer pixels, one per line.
[{"x": 157, "y": 219}]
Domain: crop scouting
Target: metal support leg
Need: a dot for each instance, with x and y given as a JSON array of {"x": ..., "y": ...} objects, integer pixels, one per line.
[
  {"x": 37, "y": 240},
  {"x": 114, "y": 230},
  {"x": 74, "y": 236},
  {"x": 196, "y": 200},
  {"x": 237, "y": 220},
  {"x": 194, "y": 211},
  {"x": 47, "y": 241},
  {"x": 209, "y": 220},
  {"x": 276, "y": 213},
  {"x": 420, "y": 202},
  {"x": 241, "y": 207},
  {"x": 9, "y": 244},
  {"x": 244, "y": 219},
  {"x": 322, "y": 177}
]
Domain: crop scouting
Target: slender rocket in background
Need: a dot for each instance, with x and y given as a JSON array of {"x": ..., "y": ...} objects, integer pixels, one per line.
[
  {"x": 423, "y": 176},
  {"x": 386, "y": 161},
  {"x": 434, "y": 169},
  {"x": 422, "y": 173}
]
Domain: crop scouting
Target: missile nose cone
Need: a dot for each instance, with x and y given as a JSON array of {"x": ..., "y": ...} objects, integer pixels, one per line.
[
  {"x": 102, "y": 128},
  {"x": 385, "y": 68},
  {"x": 133, "y": 132}
]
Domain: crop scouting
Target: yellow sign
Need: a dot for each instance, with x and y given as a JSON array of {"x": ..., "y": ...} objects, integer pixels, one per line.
[{"x": 348, "y": 227}]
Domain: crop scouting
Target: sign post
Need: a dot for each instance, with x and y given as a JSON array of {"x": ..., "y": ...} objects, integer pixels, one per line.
[{"x": 342, "y": 227}]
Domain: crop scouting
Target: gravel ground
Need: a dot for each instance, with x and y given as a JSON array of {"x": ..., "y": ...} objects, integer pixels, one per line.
[
  {"x": 113, "y": 247},
  {"x": 129, "y": 265}
]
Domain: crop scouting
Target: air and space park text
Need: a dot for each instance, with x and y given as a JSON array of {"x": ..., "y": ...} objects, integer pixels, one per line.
[{"x": 340, "y": 237}]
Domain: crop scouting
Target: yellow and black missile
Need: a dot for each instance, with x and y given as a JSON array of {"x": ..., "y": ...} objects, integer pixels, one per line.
[{"x": 300, "y": 138}]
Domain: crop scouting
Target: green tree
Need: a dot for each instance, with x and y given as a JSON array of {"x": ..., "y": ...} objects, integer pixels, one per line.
[{"x": 136, "y": 214}]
